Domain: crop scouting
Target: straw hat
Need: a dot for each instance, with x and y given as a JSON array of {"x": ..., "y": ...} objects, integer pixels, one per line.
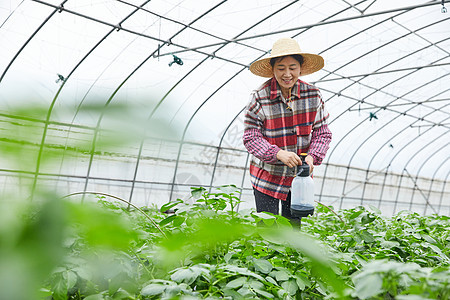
[{"x": 284, "y": 47}]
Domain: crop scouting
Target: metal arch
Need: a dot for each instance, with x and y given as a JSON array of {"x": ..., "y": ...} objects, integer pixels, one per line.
[
  {"x": 367, "y": 139},
  {"x": 382, "y": 146},
  {"x": 190, "y": 27},
  {"x": 379, "y": 90},
  {"x": 374, "y": 133},
  {"x": 189, "y": 123},
  {"x": 220, "y": 143},
  {"x": 409, "y": 175},
  {"x": 372, "y": 159},
  {"x": 119, "y": 27},
  {"x": 358, "y": 81},
  {"x": 393, "y": 70},
  {"x": 142, "y": 143},
  {"x": 243, "y": 179},
  {"x": 443, "y": 190},
  {"x": 356, "y": 126},
  {"x": 411, "y": 158},
  {"x": 190, "y": 120},
  {"x": 386, "y": 174},
  {"x": 141, "y": 146},
  {"x": 376, "y": 152},
  {"x": 179, "y": 152},
  {"x": 220, "y": 146},
  {"x": 366, "y": 75},
  {"x": 376, "y": 72},
  {"x": 432, "y": 181},
  {"x": 420, "y": 103},
  {"x": 402, "y": 174},
  {"x": 384, "y": 107},
  {"x": 417, "y": 176},
  {"x": 329, "y": 156},
  {"x": 151, "y": 114},
  {"x": 30, "y": 38},
  {"x": 385, "y": 44},
  {"x": 50, "y": 110},
  {"x": 407, "y": 8}
]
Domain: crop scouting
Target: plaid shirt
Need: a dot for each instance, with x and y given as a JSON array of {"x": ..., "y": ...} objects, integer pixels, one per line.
[{"x": 270, "y": 126}]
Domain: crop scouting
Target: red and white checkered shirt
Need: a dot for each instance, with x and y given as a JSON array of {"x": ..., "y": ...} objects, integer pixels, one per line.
[{"x": 270, "y": 126}]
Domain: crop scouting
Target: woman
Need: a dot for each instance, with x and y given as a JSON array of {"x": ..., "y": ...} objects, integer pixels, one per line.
[{"x": 285, "y": 117}]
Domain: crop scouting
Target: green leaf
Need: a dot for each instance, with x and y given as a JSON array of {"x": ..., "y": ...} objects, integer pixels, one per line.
[
  {"x": 122, "y": 294},
  {"x": 281, "y": 275},
  {"x": 44, "y": 293},
  {"x": 411, "y": 297},
  {"x": 290, "y": 286},
  {"x": 367, "y": 237},
  {"x": 187, "y": 276},
  {"x": 238, "y": 282},
  {"x": 389, "y": 244},
  {"x": 229, "y": 189},
  {"x": 176, "y": 220},
  {"x": 375, "y": 209},
  {"x": 72, "y": 279},
  {"x": 368, "y": 285},
  {"x": 228, "y": 256},
  {"x": 262, "y": 265},
  {"x": 197, "y": 192},
  {"x": 267, "y": 218},
  {"x": 355, "y": 214},
  {"x": 271, "y": 280},
  {"x": 95, "y": 297},
  {"x": 254, "y": 284},
  {"x": 366, "y": 219},
  {"x": 169, "y": 205},
  {"x": 264, "y": 293},
  {"x": 264, "y": 215},
  {"x": 60, "y": 288},
  {"x": 302, "y": 281},
  {"x": 428, "y": 238},
  {"x": 153, "y": 289}
]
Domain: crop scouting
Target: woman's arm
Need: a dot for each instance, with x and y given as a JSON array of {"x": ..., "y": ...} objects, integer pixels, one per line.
[
  {"x": 320, "y": 142},
  {"x": 254, "y": 140}
]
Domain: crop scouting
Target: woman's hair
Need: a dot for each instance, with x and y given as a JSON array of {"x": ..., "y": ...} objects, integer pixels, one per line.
[{"x": 297, "y": 57}]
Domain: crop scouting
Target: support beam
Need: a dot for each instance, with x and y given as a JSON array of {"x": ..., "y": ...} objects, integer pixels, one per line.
[{"x": 406, "y": 8}]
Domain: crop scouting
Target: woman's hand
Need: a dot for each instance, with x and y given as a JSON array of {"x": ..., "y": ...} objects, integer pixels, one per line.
[
  {"x": 310, "y": 160},
  {"x": 290, "y": 159}
]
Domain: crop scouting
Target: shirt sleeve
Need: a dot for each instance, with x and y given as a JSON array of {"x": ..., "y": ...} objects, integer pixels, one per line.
[
  {"x": 254, "y": 140},
  {"x": 321, "y": 135}
]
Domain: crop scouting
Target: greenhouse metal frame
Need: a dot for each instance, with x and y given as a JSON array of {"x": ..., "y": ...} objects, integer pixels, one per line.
[{"x": 385, "y": 84}]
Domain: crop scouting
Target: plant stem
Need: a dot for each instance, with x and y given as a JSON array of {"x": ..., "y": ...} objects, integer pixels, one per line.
[
  {"x": 331, "y": 210},
  {"x": 128, "y": 202}
]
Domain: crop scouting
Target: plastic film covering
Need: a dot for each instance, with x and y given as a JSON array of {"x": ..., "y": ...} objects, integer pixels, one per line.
[{"x": 145, "y": 99}]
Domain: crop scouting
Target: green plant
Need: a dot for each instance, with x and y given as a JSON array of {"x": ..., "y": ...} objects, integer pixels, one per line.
[{"x": 204, "y": 248}]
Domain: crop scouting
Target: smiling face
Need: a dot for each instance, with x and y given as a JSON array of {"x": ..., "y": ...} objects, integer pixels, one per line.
[{"x": 286, "y": 71}]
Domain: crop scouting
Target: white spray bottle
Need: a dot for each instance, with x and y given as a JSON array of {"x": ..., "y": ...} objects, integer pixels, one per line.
[{"x": 302, "y": 191}]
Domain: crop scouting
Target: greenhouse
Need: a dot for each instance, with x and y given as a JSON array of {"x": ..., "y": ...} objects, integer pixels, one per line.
[{"x": 141, "y": 108}]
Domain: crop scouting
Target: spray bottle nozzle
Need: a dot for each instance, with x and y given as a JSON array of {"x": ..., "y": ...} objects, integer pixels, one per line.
[
  {"x": 303, "y": 170},
  {"x": 303, "y": 156}
]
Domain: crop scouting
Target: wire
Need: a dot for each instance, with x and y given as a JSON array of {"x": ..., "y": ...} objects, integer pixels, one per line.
[{"x": 12, "y": 13}]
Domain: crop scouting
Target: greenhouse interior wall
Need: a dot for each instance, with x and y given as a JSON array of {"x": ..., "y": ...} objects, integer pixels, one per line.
[
  {"x": 177, "y": 126},
  {"x": 167, "y": 170}
]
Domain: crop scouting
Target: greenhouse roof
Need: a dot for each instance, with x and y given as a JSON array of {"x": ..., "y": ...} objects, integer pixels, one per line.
[{"x": 185, "y": 63}]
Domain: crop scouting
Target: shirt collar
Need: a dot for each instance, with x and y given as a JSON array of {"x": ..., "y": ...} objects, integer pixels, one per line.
[{"x": 275, "y": 90}]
